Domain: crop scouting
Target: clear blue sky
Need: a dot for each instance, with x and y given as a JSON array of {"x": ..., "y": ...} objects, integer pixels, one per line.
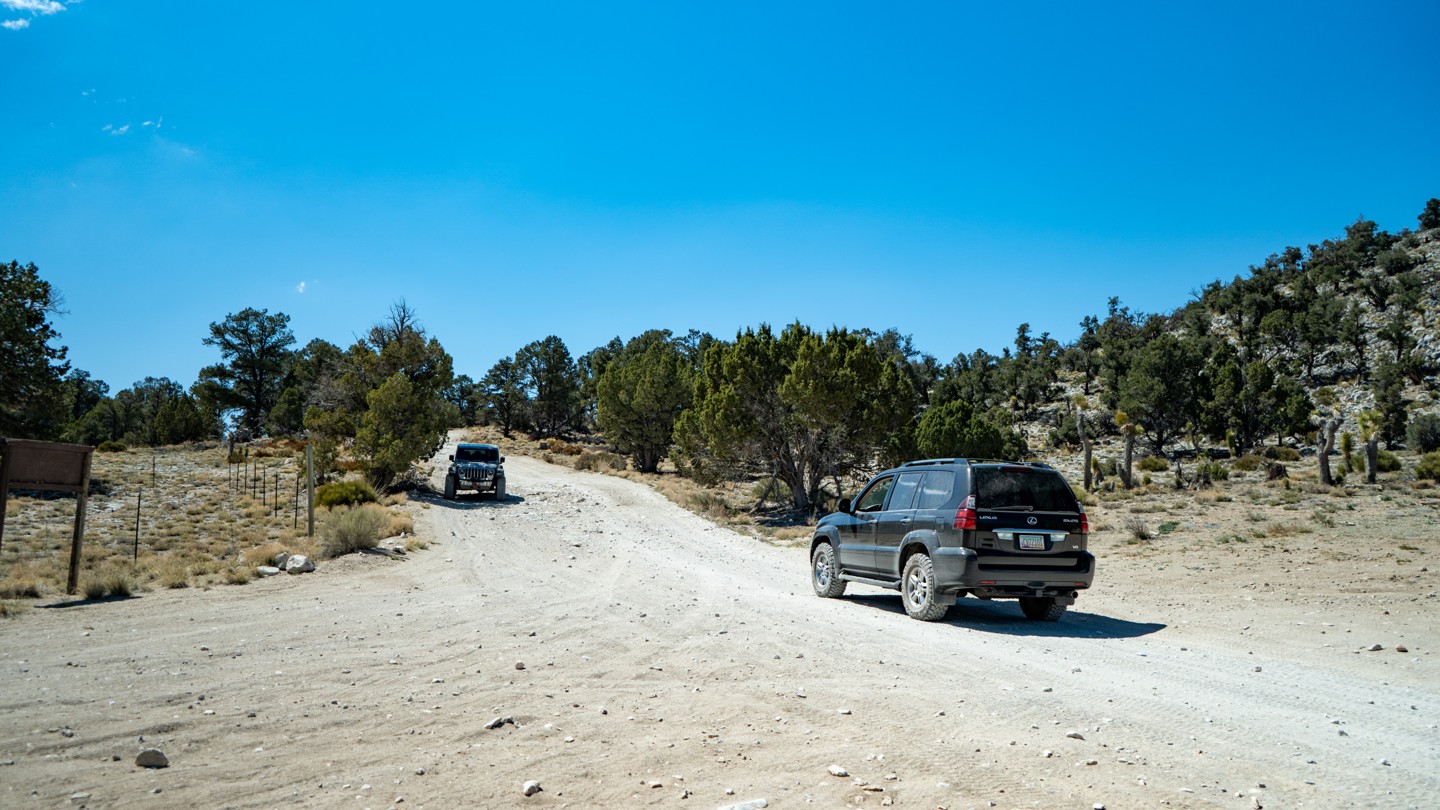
[{"x": 515, "y": 170}]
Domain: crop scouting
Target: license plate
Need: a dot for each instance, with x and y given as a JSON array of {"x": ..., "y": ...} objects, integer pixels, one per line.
[{"x": 1032, "y": 542}]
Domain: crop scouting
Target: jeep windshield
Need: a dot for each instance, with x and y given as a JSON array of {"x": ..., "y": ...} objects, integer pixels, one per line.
[
  {"x": 1021, "y": 489},
  {"x": 489, "y": 455}
]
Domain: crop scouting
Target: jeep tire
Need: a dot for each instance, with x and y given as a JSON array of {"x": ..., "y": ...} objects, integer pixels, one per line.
[
  {"x": 1041, "y": 608},
  {"x": 499, "y": 489},
  {"x": 917, "y": 590},
  {"x": 825, "y": 572},
  {"x": 450, "y": 484}
]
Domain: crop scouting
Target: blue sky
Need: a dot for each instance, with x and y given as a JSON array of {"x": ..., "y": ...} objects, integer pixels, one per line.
[{"x": 514, "y": 170}]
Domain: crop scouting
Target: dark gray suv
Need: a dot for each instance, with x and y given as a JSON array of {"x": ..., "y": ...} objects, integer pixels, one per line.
[
  {"x": 476, "y": 466},
  {"x": 939, "y": 529}
]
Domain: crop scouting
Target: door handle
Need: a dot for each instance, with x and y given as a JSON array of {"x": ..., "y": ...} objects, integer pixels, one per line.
[{"x": 905, "y": 520}]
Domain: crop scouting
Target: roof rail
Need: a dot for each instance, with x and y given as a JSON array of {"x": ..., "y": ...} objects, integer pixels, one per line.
[{"x": 932, "y": 461}]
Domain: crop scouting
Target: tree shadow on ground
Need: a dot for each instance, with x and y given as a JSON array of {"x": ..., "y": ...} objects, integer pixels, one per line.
[
  {"x": 467, "y": 500},
  {"x": 82, "y": 602},
  {"x": 1004, "y": 616}
]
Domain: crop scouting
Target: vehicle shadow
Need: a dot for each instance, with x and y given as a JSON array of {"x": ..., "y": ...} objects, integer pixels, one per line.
[
  {"x": 1004, "y": 616},
  {"x": 466, "y": 500}
]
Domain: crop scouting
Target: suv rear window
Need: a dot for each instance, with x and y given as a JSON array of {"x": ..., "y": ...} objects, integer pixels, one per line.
[{"x": 1022, "y": 489}]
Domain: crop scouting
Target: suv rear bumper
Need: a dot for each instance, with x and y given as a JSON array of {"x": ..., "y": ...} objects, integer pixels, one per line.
[{"x": 1011, "y": 575}]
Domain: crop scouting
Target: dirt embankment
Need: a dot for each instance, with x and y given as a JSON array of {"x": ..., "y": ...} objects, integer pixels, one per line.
[{"x": 645, "y": 657}]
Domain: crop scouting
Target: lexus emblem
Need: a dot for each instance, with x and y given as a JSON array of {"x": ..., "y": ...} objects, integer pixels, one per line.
[{"x": 1031, "y": 521}]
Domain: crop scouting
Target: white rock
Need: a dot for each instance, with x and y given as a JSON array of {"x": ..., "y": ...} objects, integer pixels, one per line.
[
  {"x": 267, "y": 570},
  {"x": 299, "y": 564},
  {"x": 751, "y": 804},
  {"x": 836, "y": 770},
  {"x": 531, "y": 788}
]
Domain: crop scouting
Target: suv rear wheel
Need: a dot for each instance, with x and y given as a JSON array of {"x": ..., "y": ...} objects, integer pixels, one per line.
[
  {"x": 825, "y": 572},
  {"x": 1041, "y": 608},
  {"x": 917, "y": 590}
]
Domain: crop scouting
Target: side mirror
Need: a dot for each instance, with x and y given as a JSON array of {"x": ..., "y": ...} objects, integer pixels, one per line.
[
  {"x": 452, "y": 456},
  {"x": 502, "y": 459},
  {"x": 843, "y": 506}
]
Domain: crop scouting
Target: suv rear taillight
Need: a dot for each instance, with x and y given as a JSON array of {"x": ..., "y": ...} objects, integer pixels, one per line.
[
  {"x": 965, "y": 515},
  {"x": 1084, "y": 521}
]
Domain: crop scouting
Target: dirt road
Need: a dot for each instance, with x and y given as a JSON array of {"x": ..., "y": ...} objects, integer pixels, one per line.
[{"x": 646, "y": 657}]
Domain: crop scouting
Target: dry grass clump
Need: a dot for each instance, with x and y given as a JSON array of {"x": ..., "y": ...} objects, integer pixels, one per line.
[
  {"x": 399, "y": 523},
  {"x": 1138, "y": 529},
  {"x": 708, "y": 503},
  {"x": 352, "y": 529},
  {"x": 791, "y": 534},
  {"x": 239, "y": 574},
  {"x": 172, "y": 571},
  {"x": 601, "y": 460},
  {"x": 112, "y": 579},
  {"x": 262, "y": 555},
  {"x": 22, "y": 582}
]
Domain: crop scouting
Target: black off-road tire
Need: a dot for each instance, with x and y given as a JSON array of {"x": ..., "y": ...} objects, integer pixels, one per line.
[
  {"x": 825, "y": 572},
  {"x": 450, "y": 487},
  {"x": 1041, "y": 608},
  {"x": 500, "y": 490},
  {"x": 917, "y": 590}
]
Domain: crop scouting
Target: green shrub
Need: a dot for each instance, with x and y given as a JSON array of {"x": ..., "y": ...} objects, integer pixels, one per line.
[
  {"x": 1153, "y": 464},
  {"x": 111, "y": 447},
  {"x": 1429, "y": 466},
  {"x": 1385, "y": 461},
  {"x": 1249, "y": 463},
  {"x": 1216, "y": 470},
  {"x": 1283, "y": 453},
  {"x": 352, "y": 529},
  {"x": 1423, "y": 433},
  {"x": 1108, "y": 467},
  {"x": 344, "y": 493}
]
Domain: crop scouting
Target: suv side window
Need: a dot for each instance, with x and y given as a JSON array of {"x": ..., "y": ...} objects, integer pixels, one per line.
[
  {"x": 904, "y": 491},
  {"x": 873, "y": 498},
  {"x": 937, "y": 488}
]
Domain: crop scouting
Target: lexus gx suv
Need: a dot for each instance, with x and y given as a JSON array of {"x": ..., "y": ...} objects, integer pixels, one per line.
[{"x": 940, "y": 529}]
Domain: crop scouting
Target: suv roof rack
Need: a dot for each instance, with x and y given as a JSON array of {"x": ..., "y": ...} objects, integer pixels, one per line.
[{"x": 933, "y": 461}]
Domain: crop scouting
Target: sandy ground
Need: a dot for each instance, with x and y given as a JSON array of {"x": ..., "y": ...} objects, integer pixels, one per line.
[{"x": 646, "y": 657}]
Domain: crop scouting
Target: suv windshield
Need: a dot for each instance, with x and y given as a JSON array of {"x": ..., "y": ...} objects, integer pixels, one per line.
[
  {"x": 1022, "y": 490},
  {"x": 486, "y": 454}
]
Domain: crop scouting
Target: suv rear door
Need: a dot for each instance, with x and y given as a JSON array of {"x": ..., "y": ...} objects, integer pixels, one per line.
[{"x": 1025, "y": 511}]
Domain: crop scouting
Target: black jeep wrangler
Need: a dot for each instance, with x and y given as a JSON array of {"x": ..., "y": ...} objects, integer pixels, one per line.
[
  {"x": 478, "y": 467},
  {"x": 939, "y": 529}
]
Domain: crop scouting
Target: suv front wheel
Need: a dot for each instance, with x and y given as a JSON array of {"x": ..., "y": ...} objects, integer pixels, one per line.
[
  {"x": 917, "y": 590},
  {"x": 825, "y": 572}
]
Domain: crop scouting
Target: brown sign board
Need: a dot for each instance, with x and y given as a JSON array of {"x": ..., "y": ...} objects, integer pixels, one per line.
[
  {"x": 47, "y": 467},
  {"x": 43, "y": 466}
]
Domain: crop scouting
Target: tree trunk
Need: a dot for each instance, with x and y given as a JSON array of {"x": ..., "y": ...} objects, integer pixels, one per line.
[
  {"x": 1372, "y": 453},
  {"x": 1327, "y": 441},
  {"x": 1129, "y": 455},
  {"x": 1085, "y": 443}
]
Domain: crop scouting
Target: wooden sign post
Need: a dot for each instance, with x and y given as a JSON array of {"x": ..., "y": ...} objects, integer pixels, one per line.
[{"x": 48, "y": 467}]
